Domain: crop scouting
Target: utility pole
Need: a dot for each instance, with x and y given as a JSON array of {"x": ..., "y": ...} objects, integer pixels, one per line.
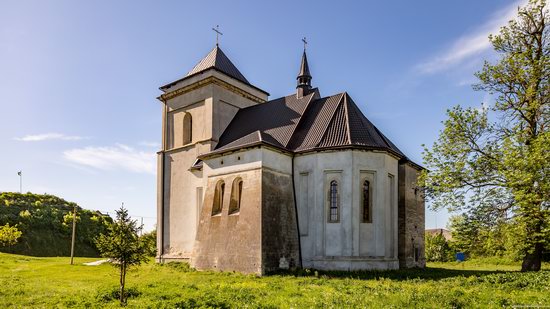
[
  {"x": 20, "y": 173},
  {"x": 74, "y": 234}
]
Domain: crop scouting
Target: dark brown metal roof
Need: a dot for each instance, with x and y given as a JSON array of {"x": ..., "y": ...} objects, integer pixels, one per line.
[
  {"x": 276, "y": 119},
  {"x": 217, "y": 59},
  {"x": 305, "y": 124}
]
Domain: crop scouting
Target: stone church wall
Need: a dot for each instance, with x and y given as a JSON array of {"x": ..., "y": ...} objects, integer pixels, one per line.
[
  {"x": 231, "y": 242},
  {"x": 411, "y": 214},
  {"x": 279, "y": 228}
]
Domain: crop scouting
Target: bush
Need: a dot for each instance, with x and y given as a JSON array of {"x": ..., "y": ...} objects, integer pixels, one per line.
[
  {"x": 150, "y": 243},
  {"x": 438, "y": 249},
  {"x": 110, "y": 294},
  {"x": 9, "y": 235}
]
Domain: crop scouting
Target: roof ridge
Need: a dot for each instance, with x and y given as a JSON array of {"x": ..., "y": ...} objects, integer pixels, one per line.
[
  {"x": 346, "y": 95},
  {"x": 340, "y": 101},
  {"x": 259, "y": 135},
  {"x": 308, "y": 103}
]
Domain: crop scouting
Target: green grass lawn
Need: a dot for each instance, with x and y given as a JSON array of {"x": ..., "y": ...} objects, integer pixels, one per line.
[{"x": 51, "y": 282}]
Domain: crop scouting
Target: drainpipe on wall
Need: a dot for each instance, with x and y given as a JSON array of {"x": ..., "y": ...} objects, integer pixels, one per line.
[{"x": 162, "y": 159}]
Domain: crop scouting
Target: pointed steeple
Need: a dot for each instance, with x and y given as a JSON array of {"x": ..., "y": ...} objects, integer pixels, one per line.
[{"x": 304, "y": 77}]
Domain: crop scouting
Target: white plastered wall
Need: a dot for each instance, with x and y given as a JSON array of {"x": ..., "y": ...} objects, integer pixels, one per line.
[{"x": 348, "y": 243}]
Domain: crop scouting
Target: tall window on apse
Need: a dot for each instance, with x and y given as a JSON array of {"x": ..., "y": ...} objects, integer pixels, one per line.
[
  {"x": 218, "y": 198},
  {"x": 334, "y": 209},
  {"x": 187, "y": 129},
  {"x": 236, "y": 193},
  {"x": 367, "y": 210}
]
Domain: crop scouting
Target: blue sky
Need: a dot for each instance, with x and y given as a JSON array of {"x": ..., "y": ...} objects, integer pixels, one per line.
[{"x": 78, "y": 80}]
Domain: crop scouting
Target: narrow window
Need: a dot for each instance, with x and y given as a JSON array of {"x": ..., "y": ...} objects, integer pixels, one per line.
[
  {"x": 333, "y": 199},
  {"x": 199, "y": 204},
  {"x": 187, "y": 129},
  {"x": 170, "y": 131},
  {"x": 236, "y": 192},
  {"x": 218, "y": 198},
  {"x": 367, "y": 211}
]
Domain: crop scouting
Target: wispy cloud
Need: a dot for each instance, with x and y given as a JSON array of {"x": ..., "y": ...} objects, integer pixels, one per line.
[
  {"x": 149, "y": 144},
  {"x": 119, "y": 157},
  {"x": 471, "y": 44},
  {"x": 48, "y": 136}
]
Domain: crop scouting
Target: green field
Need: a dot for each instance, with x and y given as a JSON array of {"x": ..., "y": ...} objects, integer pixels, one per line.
[{"x": 51, "y": 282}]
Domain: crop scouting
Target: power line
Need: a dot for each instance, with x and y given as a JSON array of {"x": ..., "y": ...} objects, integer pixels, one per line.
[{"x": 112, "y": 212}]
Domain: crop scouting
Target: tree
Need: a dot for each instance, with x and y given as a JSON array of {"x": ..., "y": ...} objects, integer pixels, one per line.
[
  {"x": 9, "y": 235},
  {"x": 437, "y": 248},
  {"x": 499, "y": 157},
  {"x": 122, "y": 244},
  {"x": 150, "y": 242},
  {"x": 480, "y": 235}
]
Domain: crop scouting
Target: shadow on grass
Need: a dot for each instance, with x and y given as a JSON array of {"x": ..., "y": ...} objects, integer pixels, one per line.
[{"x": 429, "y": 273}]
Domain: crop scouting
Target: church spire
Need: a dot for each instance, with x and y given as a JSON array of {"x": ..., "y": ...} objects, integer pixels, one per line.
[{"x": 304, "y": 77}]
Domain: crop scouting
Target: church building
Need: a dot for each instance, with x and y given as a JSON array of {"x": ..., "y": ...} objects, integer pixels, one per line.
[{"x": 255, "y": 185}]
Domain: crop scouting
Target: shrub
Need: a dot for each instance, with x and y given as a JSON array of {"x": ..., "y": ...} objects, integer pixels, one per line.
[{"x": 437, "y": 249}]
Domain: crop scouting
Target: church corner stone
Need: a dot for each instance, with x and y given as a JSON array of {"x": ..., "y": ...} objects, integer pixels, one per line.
[
  {"x": 279, "y": 227},
  {"x": 411, "y": 214}
]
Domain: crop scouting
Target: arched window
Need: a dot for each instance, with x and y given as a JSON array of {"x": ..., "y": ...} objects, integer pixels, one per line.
[
  {"x": 187, "y": 129},
  {"x": 236, "y": 192},
  {"x": 218, "y": 198},
  {"x": 334, "y": 209},
  {"x": 367, "y": 211}
]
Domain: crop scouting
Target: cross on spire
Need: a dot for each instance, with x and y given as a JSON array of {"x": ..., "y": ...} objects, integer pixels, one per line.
[
  {"x": 218, "y": 33},
  {"x": 305, "y": 42}
]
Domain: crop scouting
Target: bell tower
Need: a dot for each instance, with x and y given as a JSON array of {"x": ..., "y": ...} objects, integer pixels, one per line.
[
  {"x": 196, "y": 109},
  {"x": 304, "y": 77}
]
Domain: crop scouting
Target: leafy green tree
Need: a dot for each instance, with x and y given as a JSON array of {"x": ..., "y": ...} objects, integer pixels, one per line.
[
  {"x": 122, "y": 244},
  {"x": 9, "y": 235},
  {"x": 501, "y": 161},
  {"x": 150, "y": 243},
  {"x": 437, "y": 248},
  {"x": 480, "y": 232}
]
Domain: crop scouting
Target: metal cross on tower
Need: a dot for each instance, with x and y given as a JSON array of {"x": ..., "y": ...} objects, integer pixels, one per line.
[
  {"x": 218, "y": 33},
  {"x": 305, "y": 42}
]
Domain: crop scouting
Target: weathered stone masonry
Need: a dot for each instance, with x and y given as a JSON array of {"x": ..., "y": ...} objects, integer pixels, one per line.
[{"x": 410, "y": 219}]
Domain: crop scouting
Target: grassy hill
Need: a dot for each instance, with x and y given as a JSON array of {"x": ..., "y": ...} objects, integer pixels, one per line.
[
  {"x": 51, "y": 282},
  {"x": 46, "y": 223}
]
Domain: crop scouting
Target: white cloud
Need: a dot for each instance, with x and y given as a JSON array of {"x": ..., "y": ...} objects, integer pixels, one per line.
[
  {"x": 471, "y": 44},
  {"x": 119, "y": 157},
  {"x": 149, "y": 144},
  {"x": 48, "y": 136}
]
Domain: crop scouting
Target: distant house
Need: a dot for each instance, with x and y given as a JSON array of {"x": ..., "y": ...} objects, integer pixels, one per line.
[{"x": 446, "y": 233}]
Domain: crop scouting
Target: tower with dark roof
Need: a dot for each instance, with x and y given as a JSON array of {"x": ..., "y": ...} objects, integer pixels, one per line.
[
  {"x": 256, "y": 185},
  {"x": 196, "y": 111}
]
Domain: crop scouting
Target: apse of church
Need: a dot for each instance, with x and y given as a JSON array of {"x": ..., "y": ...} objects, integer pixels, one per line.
[{"x": 255, "y": 185}]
